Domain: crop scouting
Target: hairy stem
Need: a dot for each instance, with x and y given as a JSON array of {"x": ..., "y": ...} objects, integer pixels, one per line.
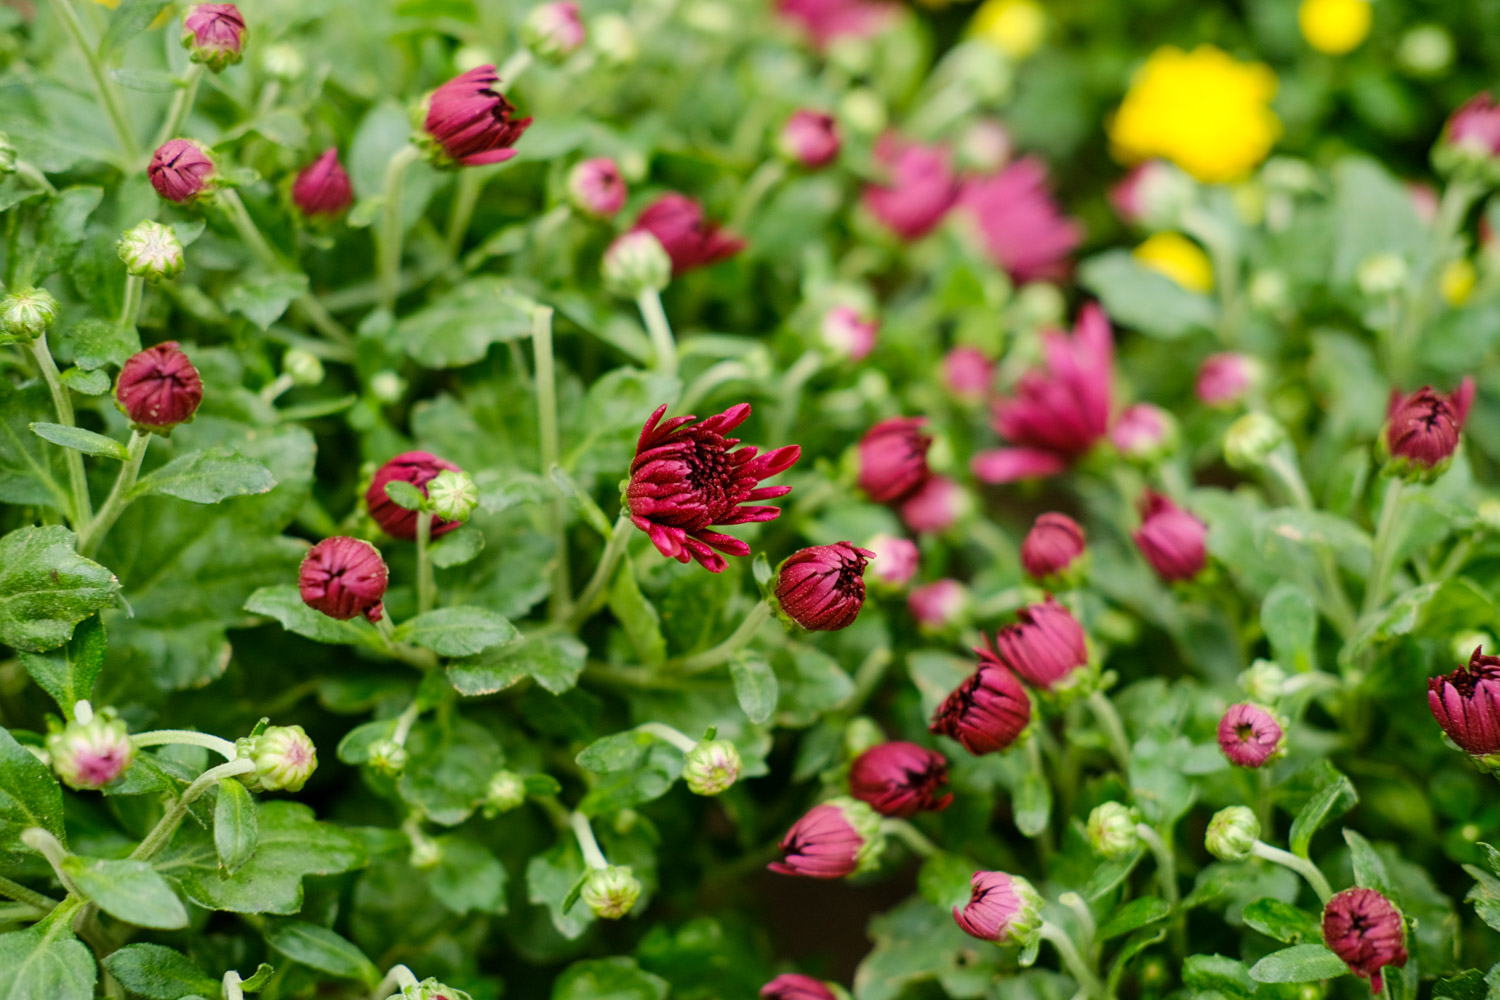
[
  {"x": 1088, "y": 981},
  {"x": 1114, "y": 729},
  {"x": 910, "y": 836},
  {"x": 389, "y": 234},
  {"x": 162, "y": 832},
  {"x": 739, "y": 637},
  {"x": 1302, "y": 866},
  {"x": 593, "y": 591},
  {"x": 668, "y": 734},
  {"x": 78, "y": 483},
  {"x": 550, "y": 446},
  {"x": 593, "y": 857},
  {"x": 93, "y": 535},
  {"x": 1384, "y": 550},
  {"x": 182, "y": 105},
  {"x": 663, "y": 344},
  {"x": 109, "y": 97},
  {"x": 186, "y": 737},
  {"x": 130, "y": 311},
  {"x": 426, "y": 584}
]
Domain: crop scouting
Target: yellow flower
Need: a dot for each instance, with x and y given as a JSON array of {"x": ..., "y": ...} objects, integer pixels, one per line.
[
  {"x": 1457, "y": 282},
  {"x": 1179, "y": 258},
  {"x": 1204, "y": 110},
  {"x": 1015, "y": 27},
  {"x": 1334, "y": 26}
]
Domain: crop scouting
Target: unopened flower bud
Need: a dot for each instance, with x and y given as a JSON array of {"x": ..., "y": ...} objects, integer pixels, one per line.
[
  {"x": 1422, "y": 431},
  {"x": 1153, "y": 195},
  {"x": 1381, "y": 274},
  {"x": 863, "y": 110},
  {"x": 1111, "y": 831},
  {"x": 900, "y": 779},
  {"x": 323, "y": 189},
  {"x": 937, "y": 505},
  {"x": 940, "y": 605},
  {"x": 1250, "y": 736},
  {"x": 420, "y": 469},
  {"x": 1250, "y": 440},
  {"x": 430, "y": 989},
  {"x": 986, "y": 146},
  {"x": 453, "y": 495},
  {"x": 1264, "y": 681},
  {"x": 302, "y": 367},
  {"x": 284, "y": 758},
  {"x": 821, "y": 588},
  {"x": 836, "y": 838},
  {"x": 387, "y": 386},
  {"x": 388, "y": 757},
  {"x": 1466, "y": 703},
  {"x": 425, "y": 853},
  {"x": 1232, "y": 833},
  {"x": 636, "y": 262},
  {"x": 1054, "y": 548},
  {"x": 711, "y": 767},
  {"x": 181, "y": 171},
  {"x": 1144, "y": 433},
  {"x": 596, "y": 188},
  {"x": 469, "y": 123},
  {"x": 553, "y": 31},
  {"x": 91, "y": 754},
  {"x": 1425, "y": 51},
  {"x": 344, "y": 578},
  {"x": 284, "y": 62},
  {"x": 158, "y": 388},
  {"x": 1269, "y": 292},
  {"x": 1225, "y": 379},
  {"x": 505, "y": 791},
  {"x": 152, "y": 251},
  {"x": 893, "y": 459},
  {"x": 1005, "y": 909},
  {"x": 986, "y": 713},
  {"x": 611, "y": 892},
  {"x": 791, "y": 986},
  {"x": 614, "y": 39},
  {"x": 214, "y": 34},
  {"x": 1367, "y": 931},
  {"x": 27, "y": 314},
  {"x": 847, "y": 334},
  {"x": 894, "y": 562},
  {"x": 1171, "y": 539},
  {"x": 809, "y": 138},
  {"x": 968, "y": 373},
  {"x": 1470, "y": 144}
]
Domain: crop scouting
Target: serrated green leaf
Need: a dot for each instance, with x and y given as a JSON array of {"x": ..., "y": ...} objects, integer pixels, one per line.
[
  {"x": 322, "y": 949},
  {"x": 207, "y": 476},
  {"x": 553, "y": 660},
  {"x": 1290, "y": 620},
  {"x": 68, "y": 672},
  {"x": 456, "y": 548},
  {"x": 608, "y": 979},
  {"x": 1303, "y": 963},
  {"x": 46, "y": 961},
  {"x": 264, "y": 298},
  {"x": 62, "y": 229},
  {"x": 1282, "y": 921},
  {"x": 46, "y": 588},
  {"x": 90, "y": 383},
  {"x": 158, "y": 972},
  {"x": 81, "y": 440},
  {"x": 285, "y": 604},
  {"x": 131, "y": 891}
]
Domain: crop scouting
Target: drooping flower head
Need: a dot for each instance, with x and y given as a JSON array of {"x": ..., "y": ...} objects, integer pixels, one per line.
[
  {"x": 1021, "y": 226},
  {"x": 322, "y": 189},
  {"x": 690, "y": 240},
  {"x": 1367, "y": 931},
  {"x": 688, "y": 477},
  {"x": 596, "y": 188},
  {"x": 921, "y": 187},
  {"x": 822, "y": 588},
  {"x": 826, "y": 21},
  {"x": 968, "y": 373},
  {"x": 181, "y": 170},
  {"x": 810, "y": 138},
  {"x": 900, "y": 779},
  {"x": 792, "y": 986},
  {"x": 1052, "y": 547},
  {"x": 848, "y": 334},
  {"x": 1422, "y": 430},
  {"x": 895, "y": 561},
  {"x": 938, "y": 605},
  {"x": 1171, "y": 539},
  {"x": 343, "y": 578},
  {"x": 1005, "y": 909},
  {"x": 1250, "y": 736},
  {"x": 214, "y": 33},
  {"x": 935, "y": 506},
  {"x": 91, "y": 752},
  {"x": 1225, "y": 379},
  {"x": 159, "y": 388},
  {"x": 469, "y": 123},
  {"x": 837, "y": 838},
  {"x": 987, "y": 712},
  {"x": 1059, "y": 412},
  {"x": 893, "y": 459},
  {"x": 1045, "y": 646},
  {"x": 1466, "y": 703},
  {"x": 418, "y": 468}
]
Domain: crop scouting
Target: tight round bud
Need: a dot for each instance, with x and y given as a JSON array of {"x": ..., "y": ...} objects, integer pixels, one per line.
[
  {"x": 152, "y": 251},
  {"x": 936, "y": 506},
  {"x": 285, "y": 63},
  {"x": 809, "y": 138},
  {"x": 431, "y": 989},
  {"x": 986, "y": 713},
  {"x": 1250, "y": 736},
  {"x": 900, "y": 779},
  {"x": 420, "y": 469},
  {"x": 284, "y": 758},
  {"x": 302, "y": 367},
  {"x": 344, "y": 578},
  {"x": 791, "y": 986},
  {"x": 1422, "y": 431},
  {"x": 388, "y": 757},
  {"x": 506, "y": 791},
  {"x": 636, "y": 262},
  {"x": 1053, "y": 548},
  {"x": 821, "y": 588},
  {"x": 837, "y": 838},
  {"x": 893, "y": 459},
  {"x": 1470, "y": 144},
  {"x": 1172, "y": 540},
  {"x": 1045, "y": 646},
  {"x": 1367, "y": 931},
  {"x": 711, "y": 767},
  {"x": 614, "y": 39},
  {"x": 181, "y": 171},
  {"x": 1232, "y": 833},
  {"x": 1144, "y": 434},
  {"x": 158, "y": 388},
  {"x": 939, "y": 605},
  {"x": 596, "y": 188},
  {"x": 553, "y": 31},
  {"x": 1111, "y": 831},
  {"x": 611, "y": 892},
  {"x": 1005, "y": 909},
  {"x": 453, "y": 495},
  {"x": 323, "y": 189},
  {"x": 91, "y": 754},
  {"x": 1250, "y": 440},
  {"x": 214, "y": 35},
  {"x": 1381, "y": 274},
  {"x": 848, "y": 334},
  {"x": 27, "y": 314}
]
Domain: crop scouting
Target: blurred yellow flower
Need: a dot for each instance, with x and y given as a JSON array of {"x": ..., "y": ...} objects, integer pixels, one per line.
[
  {"x": 1015, "y": 27},
  {"x": 1334, "y": 26},
  {"x": 1457, "y": 283},
  {"x": 1179, "y": 258},
  {"x": 161, "y": 19},
  {"x": 1204, "y": 110}
]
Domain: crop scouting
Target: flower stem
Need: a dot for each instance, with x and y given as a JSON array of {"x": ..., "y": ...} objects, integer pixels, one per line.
[
  {"x": 396, "y": 981},
  {"x": 119, "y": 496},
  {"x": 663, "y": 345},
  {"x": 1302, "y": 866},
  {"x": 592, "y": 856},
  {"x": 78, "y": 483},
  {"x": 910, "y": 836},
  {"x": 669, "y": 734},
  {"x": 186, "y": 737},
  {"x": 1263, "y": 791},
  {"x": 35, "y": 176},
  {"x": 255, "y": 240},
  {"x": 1084, "y": 915},
  {"x": 182, "y": 105},
  {"x": 550, "y": 446},
  {"x": 1384, "y": 551},
  {"x": 1166, "y": 874},
  {"x": 593, "y": 591},
  {"x": 21, "y": 894},
  {"x": 162, "y": 832},
  {"x": 108, "y": 96},
  {"x": 426, "y": 585},
  {"x": 1114, "y": 729},
  {"x": 389, "y": 233},
  {"x": 700, "y": 387},
  {"x": 1340, "y": 610},
  {"x": 45, "y": 844},
  {"x": 790, "y": 402},
  {"x": 131, "y": 310},
  {"x": 766, "y": 177},
  {"x": 723, "y": 651},
  {"x": 1088, "y": 981},
  {"x": 405, "y": 721},
  {"x": 1423, "y": 282}
]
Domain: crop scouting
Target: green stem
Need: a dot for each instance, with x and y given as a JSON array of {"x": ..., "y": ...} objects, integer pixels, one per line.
[
  {"x": 1340, "y": 610},
  {"x": 92, "y": 536},
  {"x": 1457, "y": 557},
  {"x": 1302, "y": 866},
  {"x": 669, "y": 734},
  {"x": 186, "y": 737},
  {"x": 389, "y": 233},
  {"x": 550, "y": 446},
  {"x": 131, "y": 310},
  {"x": 1109, "y": 721},
  {"x": 1263, "y": 791},
  {"x": 790, "y": 402},
  {"x": 21, "y": 894},
  {"x": 700, "y": 387},
  {"x": 1082, "y": 914},
  {"x": 78, "y": 483},
  {"x": 604, "y": 572},
  {"x": 592, "y": 856},
  {"x": 182, "y": 105},
  {"x": 405, "y": 721},
  {"x": 249, "y": 232},
  {"x": 470, "y": 184},
  {"x": 910, "y": 836},
  {"x": 1383, "y": 550},
  {"x": 723, "y": 651},
  {"x": 766, "y": 177},
  {"x": 35, "y": 176},
  {"x": 1166, "y": 874},
  {"x": 663, "y": 344},
  {"x": 108, "y": 96},
  {"x": 162, "y": 832},
  {"x": 426, "y": 585},
  {"x": 397, "y": 980},
  {"x": 1088, "y": 981},
  {"x": 44, "y": 843},
  {"x": 1423, "y": 282}
]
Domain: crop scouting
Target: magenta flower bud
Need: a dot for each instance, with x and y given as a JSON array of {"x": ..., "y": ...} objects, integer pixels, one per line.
[
  {"x": 418, "y": 468},
  {"x": 938, "y": 605},
  {"x": 810, "y": 138},
  {"x": 92, "y": 750},
  {"x": 691, "y": 241},
  {"x": 1472, "y": 134},
  {"x": 1045, "y": 646},
  {"x": 1005, "y": 909},
  {"x": 895, "y": 561},
  {"x": 921, "y": 187},
  {"x": 1422, "y": 429},
  {"x": 838, "y": 838},
  {"x": 1154, "y": 194},
  {"x": 323, "y": 188},
  {"x": 596, "y": 188},
  {"x": 1171, "y": 539},
  {"x": 900, "y": 779},
  {"x": 215, "y": 35},
  {"x": 158, "y": 388},
  {"x": 791, "y": 986},
  {"x": 344, "y": 577},
  {"x": 822, "y": 588},
  {"x": 935, "y": 507},
  {"x": 1367, "y": 931},
  {"x": 986, "y": 713},
  {"x": 1225, "y": 379},
  {"x": 1144, "y": 433},
  {"x": 1052, "y": 547},
  {"x": 469, "y": 123},
  {"x": 1466, "y": 703},
  {"x": 181, "y": 170},
  {"x": 968, "y": 374},
  {"x": 688, "y": 477},
  {"x": 1020, "y": 224},
  {"x": 553, "y": 31},
  {"x": 1250, "y": 736},
  {"x": 893, "y": 459},
  {"x": 826, "y": 21},
  {"x": 848, "y": 334}
]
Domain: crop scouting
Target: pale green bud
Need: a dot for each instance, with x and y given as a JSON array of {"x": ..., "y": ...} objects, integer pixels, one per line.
[
  {"x": 1488, "y": 512},
  {"x": 506, "y": 791},
  {"x": 1425, "y": 51},
  {"x": 425, "y": 852},
  {"x": 452, "y": 495},
  {"x": 284, "y": 62},
  {"x": 430, "y": 989},
  {"x": 1232, "y": 833},
  {"x": 1381, "y": 274},
  {"x": 27, "y": 314},
  {"x": 636, "y": 262},
  {"x": 711, "y": 767},
  {"x": 611, "y": 892},
  {"x": 284, "y": 758},
  {"x": 861, "y": 734},
  {"x": 1251, "y": 439},
  {"x": 388, "y": 757},
  {"x": 862, "y": 111},
  {"x": 387, "y": 386},
  {"x": 614, "y": 39},
  {"x": 302, "y": 367},
  {"x": 1264, "y": 681},
  {"x": 151, "y": 250},
  {"x": 1462, "y": 646},
  {"x": 1111, "y": 831}
]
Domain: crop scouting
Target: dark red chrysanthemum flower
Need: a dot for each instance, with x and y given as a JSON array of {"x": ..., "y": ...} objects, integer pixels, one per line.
[
  {"x": 471, "y": 121},
  {"x": 344, "y": 577},
  {"x": 180, "y": 170},
  {"x": 1367, "y": 931},
  {"x": 1171, "y": 539},
  {"x": 159, "y": 388},
  {"x": 893, "y": 459},
  {"x": 1045, "y": 646},
  {"x": 1054, "y": 543},
  {"x": 323, "y": 188},
  {"x": 418, "y": 468},
  {"x": 986, "y": 713},
  {"x": 1422, "y": 429},
  {"x": 900, "y": 779},
  {"x": 690, "y": 240},
  {"x": 1466, "y": 703}
]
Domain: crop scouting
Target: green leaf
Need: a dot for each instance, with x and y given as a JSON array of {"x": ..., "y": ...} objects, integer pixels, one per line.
[
  {"x": 456, "y": 548},
  {"x": 131, "y": 891},
  {"x": 46, "y": 961},
  {"x": 81, "y": 440},
  {"x": 615, "y": 752},
  {"x": 608, "y": 979},
  {"x": 458, "y": 328},
  {"x": 46, "y": 588},
  {"x": 943, "y": 879},
  {"x": 550, "y": 879},
  {"x": 284, "y": 603},
  {"x": 1369, "y": 870},
  {"x": 1290, "y": 620},
  {"x": 553, "y": 660},
  {"x": 461, "y": 631},
  {"x": 68, "y": 672},
  {"x": 1303, "y": 963},
  {"x": 755, "y": 687},
  {"x": 90, "y": 383},
  {"x": 637, "y": 615},
  {"x": 1283, "y": 921},
  {"x": 95, "y": 343},
  {"x": 449, "y": 769},
  {"x": 129, "y": 19},
  {"x": 258, "y": 981},
  {"x": 1373, "y": 214},
  {"x": 29, "y": 796},
  {"x": 468, "y": 878},
  {"x": 1032, "y": 806},
  {"x": 1333, "y": 799},
  {"x": 146, "y": 81},
  {"x": 1217, "y": 974},
  {"x": 1134, "y": 915},
  {"x": 1485, "y": 896},
  {"x": 159, "y": 972},
  {"x": 1138, "y": 297},
  {"x": 322, "y": 949},
  {"x": 1466, "y": 985},
  {"x": 264, "y": 298},
  {"x": 405, "y": 495},
  {"x": 207, "y": 476},
  {"x": 585, "y": 503},
  {"x": 62, "y": 229},
  {"x": 236, "y": 831}
]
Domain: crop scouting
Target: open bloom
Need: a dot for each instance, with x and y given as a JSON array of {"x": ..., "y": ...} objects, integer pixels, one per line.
[
  {"x": 1367, "y": 931},
  {"x": 344, "y": 577},
  {"x": 159, "y": 388},
  {"x": 837, "y": 838},
  {"x": 1002, "y": 908},
  {"x": 822, "y": 588},
  {"x": 1250, "y": 736},
  {"x": 1422, "y": 429},
  {"x": 1045, "y": 646},
  {"x": 1054, "y": 543},
  {"x": 215, "y": 34},
  {"x": 893, "y": 459},
  {"x": 987, "y": 712},
  {"x": 690, "y": 240},
  {"x": 791, "y": 986},
  {"x": 900, "y": 779},
  {"x": 921, "y": 187},
  {"x": 596, "y": 188},
  {"x": 1466, "y": 703},
  {"x": 418, "y": 468},
  {"x": 1059, "y": 412},
  {"x": 1224, "y": 379},
  {"x": 471, "y": 122},
  {"x": 826, "y": 21},
  {"x": 1024, "y": 231},
  {"x": 180, "y": 170},
  {"x": 323, "y": 188},
  {"x": 810, "y": 138},
  {"x": 688, "y": 477},
  {"x": 1171, "y": 539}
]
